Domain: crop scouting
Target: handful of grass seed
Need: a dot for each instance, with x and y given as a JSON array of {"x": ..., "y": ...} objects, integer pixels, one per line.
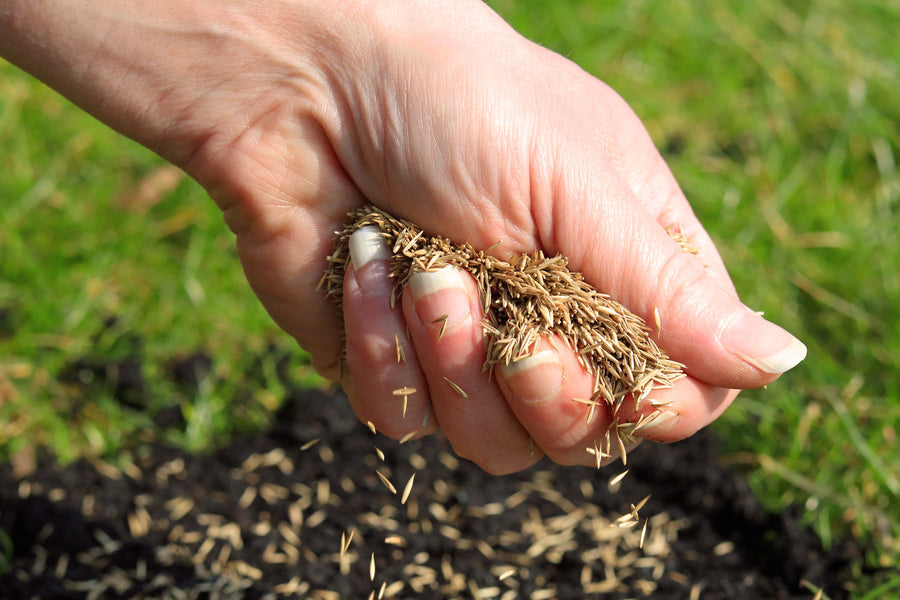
[{"x": 529, "y": 297}]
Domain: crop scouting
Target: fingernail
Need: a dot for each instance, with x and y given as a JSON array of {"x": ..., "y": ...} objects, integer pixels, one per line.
[
  {"x": 534, "y": 379},
  {"x": 763, "y": 344},
  {"x": 660, "y": 424},
  {"x": 441, "y": 298},
  {"x": 370, "y": 254}
]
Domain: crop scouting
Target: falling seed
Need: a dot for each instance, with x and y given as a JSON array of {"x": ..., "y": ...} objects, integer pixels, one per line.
[
  {"x": 641, "y": 504},
  {"x": 372, "y": 567},
  {"x": 379, "y": 453},
  {"x": 618, "y": 478},
  {"x": 407, "y": 437},
  {"x": 456, "y": 388},
  {"x": 381, "y": 590},
  {"x": 371, "y": 427},
  {"x": 523, "y": 300},
  {"x": 643, "y": 534},
  {"x": 407, "y": 489},
  {"x": 309, "y": 444},
  {"x": 386, "y": 482}
]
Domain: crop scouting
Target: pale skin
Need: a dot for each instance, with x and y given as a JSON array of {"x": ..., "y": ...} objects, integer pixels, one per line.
[{"x": 291, "y": 113}]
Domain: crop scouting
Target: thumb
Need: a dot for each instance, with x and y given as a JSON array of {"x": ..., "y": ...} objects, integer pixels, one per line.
[{"x": 693, "y": 318}]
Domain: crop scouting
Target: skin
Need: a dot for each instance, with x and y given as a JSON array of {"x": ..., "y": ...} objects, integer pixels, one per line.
[{"x": 292, "y": 112}]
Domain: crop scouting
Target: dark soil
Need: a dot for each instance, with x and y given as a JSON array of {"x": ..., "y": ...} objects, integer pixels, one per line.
[{"x": 264, "y": 518}]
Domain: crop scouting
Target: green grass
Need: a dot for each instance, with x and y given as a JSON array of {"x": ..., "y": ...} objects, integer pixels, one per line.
[{"x": 779, "y": 119}]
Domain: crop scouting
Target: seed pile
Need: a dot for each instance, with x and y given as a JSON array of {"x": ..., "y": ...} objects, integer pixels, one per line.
[
  {"x": 299, "y": 512},
  {"x": 525, "y": 299}
]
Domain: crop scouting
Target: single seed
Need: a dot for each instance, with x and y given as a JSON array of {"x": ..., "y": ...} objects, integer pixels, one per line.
[
  {"x": 641, "y": 504},
  {"x": 371, "y": 427},
  {"x": 456, "y": 388},
  {"x": 506, "y": 574},
  {"x": 372, "y": 567},
  {"x": 618, "y": 478},
  {"x": 407, "y": 489},
  {"x": 622, "y": 454},
  {"x": 643, "y": 534},
  {"x": 656, "y": 321},
  {"x": 386, "y": 482},
  {"x": 309, "y": 444},
  {"x": 407, "y": 437}
]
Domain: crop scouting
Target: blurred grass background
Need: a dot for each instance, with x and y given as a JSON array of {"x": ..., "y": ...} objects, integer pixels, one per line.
[{"x": 780, "y": 119}]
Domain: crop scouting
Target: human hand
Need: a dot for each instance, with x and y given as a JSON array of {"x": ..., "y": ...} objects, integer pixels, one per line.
[{"x": 441, "y": 114}]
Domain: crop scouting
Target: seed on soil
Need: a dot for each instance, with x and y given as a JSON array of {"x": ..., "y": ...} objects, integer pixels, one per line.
[{"x": 309, "y": 444}]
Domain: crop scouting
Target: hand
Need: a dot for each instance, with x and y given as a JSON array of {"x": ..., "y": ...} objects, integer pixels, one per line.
[{"x": 441, "y": 114}]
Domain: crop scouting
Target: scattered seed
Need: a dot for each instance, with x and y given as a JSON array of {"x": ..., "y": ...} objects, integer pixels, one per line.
[
  {"x": 401, "y": 354},
  {"x": 506, "y": 574},
  {"x": 643, "y": 535},
  {"x": 443, "y": 321},
  {"x": 371, "y": 427},
  {"x": 456, "y": 388},
  {"x": 407, "y": 437},
  {"x": 372, "y": 567}
]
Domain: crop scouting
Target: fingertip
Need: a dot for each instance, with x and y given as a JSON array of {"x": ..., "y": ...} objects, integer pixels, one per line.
[{"x": 764, "y": 345}]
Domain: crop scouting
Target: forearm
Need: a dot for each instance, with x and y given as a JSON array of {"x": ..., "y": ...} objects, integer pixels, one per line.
[{"x": 161, "y": 71}]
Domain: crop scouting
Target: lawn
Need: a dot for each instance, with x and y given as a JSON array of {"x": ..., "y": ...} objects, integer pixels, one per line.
[{"x": 779, "y": 119}]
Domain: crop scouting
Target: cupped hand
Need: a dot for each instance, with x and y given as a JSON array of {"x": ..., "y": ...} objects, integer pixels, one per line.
[{"x": 441, "y": 114}]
